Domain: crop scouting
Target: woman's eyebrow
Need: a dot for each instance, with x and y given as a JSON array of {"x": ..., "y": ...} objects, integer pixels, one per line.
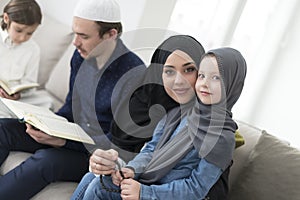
[
  {"x": 188, "y": 63},
  {"x": 170, "y": 66}
]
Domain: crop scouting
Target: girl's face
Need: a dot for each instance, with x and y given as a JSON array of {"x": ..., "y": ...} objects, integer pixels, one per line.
[
  {"x": 208, "y": 85},
  {"x": 179, "y": 76},
  {"x": 19, "y": 33}
]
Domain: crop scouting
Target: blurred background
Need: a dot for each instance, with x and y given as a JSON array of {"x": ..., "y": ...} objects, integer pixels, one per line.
[{"x": 265, "y": 32}]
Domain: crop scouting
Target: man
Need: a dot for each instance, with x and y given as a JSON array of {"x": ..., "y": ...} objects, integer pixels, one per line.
[{"x": 100, "y": 61}]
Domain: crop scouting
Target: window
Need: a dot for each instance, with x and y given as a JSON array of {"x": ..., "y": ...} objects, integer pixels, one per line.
[{"x": 265, "y": 33}]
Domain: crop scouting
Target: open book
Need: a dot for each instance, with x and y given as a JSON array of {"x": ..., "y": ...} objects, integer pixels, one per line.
[
  {"x": 17, "y": 88},
  {"x": 47, "y": 121}
]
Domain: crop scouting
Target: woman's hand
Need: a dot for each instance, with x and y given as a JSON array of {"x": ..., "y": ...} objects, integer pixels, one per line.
[
  {"x": 103, "y": 162},
  {"x": 44, "y": 138},
  {"x": 130, "y": 189}
]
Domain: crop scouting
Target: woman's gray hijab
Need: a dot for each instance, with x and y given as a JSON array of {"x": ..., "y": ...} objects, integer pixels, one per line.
[{"x": 210, "y": 128}]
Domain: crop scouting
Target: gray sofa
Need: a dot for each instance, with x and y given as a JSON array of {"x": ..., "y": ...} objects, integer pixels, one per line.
[{"x": 264, "y": 168}]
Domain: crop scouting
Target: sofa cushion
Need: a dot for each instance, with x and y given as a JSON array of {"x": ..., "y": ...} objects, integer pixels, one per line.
[
  {"x": 272, "y": 172},
  {"x": 58, "y": 82},
  {"x": 53, "y": 37},
  {"x": 2, "y": 4},
  {"x": 14, "y": 159},
  {"x": 54, "y": 191}
]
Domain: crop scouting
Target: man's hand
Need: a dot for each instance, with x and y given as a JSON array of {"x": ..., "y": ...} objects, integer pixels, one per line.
[
  {"x": 103, "y": 162},
  {"x": 15, "y": 96},
  {"x": 44, "y": 138},
  {"x": 130, "y": 189}
]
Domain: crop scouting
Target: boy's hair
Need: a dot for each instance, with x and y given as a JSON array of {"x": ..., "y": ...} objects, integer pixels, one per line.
[
  {"x": 107, "y": 26},
  {"x": 26, "y": 12}
]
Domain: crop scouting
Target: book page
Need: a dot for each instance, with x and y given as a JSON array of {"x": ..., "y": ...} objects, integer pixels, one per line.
[
  {"x": 5, "y": 86},
  {"x": 62, "y": 129},
  {"x": 21, "y": 109},
  {"x": 47, "y": 121},
  {"x": 24, "y": 86}
]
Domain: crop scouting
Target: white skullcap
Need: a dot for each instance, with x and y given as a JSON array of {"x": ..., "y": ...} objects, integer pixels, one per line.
[{"x": 98, "y": 10}]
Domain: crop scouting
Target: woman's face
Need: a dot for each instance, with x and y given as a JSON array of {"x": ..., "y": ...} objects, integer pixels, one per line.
[
  {"x": 208, "y": 85},
  {"x": 179, "y": 76}
]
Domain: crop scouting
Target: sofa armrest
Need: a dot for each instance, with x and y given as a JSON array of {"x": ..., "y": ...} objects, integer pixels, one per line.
[
  {"x": 251, "y": 135},
  {"x": 14, "y": 159},
  {"x": 54, "y": 191}
]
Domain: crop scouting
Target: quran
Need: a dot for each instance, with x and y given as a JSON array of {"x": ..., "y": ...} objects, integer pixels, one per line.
[
  {"x": 47, "y": 121},
  {"x": 10, "y": 90}
]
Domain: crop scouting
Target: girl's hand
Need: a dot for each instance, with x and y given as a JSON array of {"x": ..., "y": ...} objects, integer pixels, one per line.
[
  {"x": 127, "y": 172},
  {"x": 117, "y": 177},
  {"x": 130, "y": 189},
  {"x": 15, "y": 96}
]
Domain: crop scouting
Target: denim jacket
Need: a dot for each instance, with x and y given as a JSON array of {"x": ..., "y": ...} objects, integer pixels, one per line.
[{"x": 191, "y": 178}]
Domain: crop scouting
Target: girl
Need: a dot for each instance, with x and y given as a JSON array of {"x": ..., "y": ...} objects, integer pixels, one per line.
[
  {"x": 191, "y": 147},
  {"x": 19, "y": 56}
]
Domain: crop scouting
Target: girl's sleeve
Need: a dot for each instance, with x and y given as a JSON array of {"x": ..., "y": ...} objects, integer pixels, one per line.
[
  {"x": 196, "y": 186},
  {"x": 143, "y": 158}
]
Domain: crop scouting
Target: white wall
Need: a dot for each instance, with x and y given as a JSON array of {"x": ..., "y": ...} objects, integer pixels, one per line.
[
  {"x": 278, "y": 108},
  {"x": 62, "y": 10},
  {"x": 144, "y": 21},
  {"x": 270, "y": 97},
  {"x": 134, "y": 17},
  {"x": 269, "y": 40}
]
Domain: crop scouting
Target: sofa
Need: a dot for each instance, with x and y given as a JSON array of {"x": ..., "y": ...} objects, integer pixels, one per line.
[{"x": 265, "y": 167}]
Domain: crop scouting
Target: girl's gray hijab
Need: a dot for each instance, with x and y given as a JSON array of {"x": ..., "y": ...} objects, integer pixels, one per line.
[{"x": 210, "y": 128}]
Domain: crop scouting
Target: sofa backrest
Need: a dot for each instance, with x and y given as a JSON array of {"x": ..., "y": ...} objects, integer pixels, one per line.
[
  {"x": 58, "y": 82},
  {"x": 53, "y": 38}
]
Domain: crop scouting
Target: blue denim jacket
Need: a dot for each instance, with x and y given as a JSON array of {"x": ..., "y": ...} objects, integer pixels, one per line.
[{"x": 191, "y": 178}]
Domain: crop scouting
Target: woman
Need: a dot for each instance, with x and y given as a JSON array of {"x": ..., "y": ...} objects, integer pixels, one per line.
[
  {"x": 129, "y": 138},
  {"x": 192, "y": 146}
]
